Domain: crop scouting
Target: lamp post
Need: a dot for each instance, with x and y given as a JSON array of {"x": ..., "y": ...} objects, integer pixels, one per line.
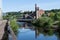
[{"x": 0, "y": 14}]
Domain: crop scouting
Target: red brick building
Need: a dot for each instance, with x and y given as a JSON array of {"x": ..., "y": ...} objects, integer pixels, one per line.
[{"x": 38, "y": 11}]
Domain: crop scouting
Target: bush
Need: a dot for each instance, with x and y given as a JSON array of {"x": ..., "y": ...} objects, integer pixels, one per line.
[
  {"x": 14, "y": 25},
  {"x": 43, "y": 22}
]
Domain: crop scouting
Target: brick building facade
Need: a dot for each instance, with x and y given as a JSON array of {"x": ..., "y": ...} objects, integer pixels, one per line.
[{"x": 38, "y": 11}]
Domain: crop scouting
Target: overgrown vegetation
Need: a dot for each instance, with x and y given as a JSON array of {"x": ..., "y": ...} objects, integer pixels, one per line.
[
  {"x": 43, "y": 22},
  {"x": 14, "y": 25}
]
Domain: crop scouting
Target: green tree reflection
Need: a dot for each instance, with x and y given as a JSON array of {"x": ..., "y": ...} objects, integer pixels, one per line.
[{"x": 46, "y": 32}]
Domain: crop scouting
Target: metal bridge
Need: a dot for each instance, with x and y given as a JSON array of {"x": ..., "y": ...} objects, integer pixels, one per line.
[
  {"x": 29, "y": 18},
  {"x": 25, "y": 20}
]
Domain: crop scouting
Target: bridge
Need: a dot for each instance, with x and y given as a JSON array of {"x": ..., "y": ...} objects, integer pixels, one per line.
[
  {"x": 27, "y": 17},
  {"x": 25, "y": 20}
]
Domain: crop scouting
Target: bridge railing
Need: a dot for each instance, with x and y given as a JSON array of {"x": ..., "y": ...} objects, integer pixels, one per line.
[{"x": 25, "y": 20}]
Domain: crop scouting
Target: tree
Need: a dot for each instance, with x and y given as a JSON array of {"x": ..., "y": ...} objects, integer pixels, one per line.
[{"x": 43, "y": 22}]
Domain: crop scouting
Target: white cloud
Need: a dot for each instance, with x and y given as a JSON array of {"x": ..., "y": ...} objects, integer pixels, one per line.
[{"x": 0, "y": 3}]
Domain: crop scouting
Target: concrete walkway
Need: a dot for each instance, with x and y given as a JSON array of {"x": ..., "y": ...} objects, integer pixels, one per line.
[{"x": 2, "y": 26}]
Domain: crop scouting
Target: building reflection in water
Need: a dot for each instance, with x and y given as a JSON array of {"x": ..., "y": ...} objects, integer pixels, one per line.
[{"x": 39, "y": 30}]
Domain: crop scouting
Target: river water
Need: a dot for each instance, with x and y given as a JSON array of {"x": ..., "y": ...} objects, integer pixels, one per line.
[{"x": 29, "y": 32}]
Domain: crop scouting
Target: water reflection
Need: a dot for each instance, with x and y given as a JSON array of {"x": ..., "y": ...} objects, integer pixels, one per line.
[{"x": 31, "y": 32}]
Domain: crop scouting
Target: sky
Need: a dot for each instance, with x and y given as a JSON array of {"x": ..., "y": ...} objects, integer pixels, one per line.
[{"x": 25, "y": 5}]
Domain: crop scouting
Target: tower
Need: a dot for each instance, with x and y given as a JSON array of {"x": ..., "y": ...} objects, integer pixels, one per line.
[
  {"x": 36, "y": 7},
  {"x": 36, "y": 10}
]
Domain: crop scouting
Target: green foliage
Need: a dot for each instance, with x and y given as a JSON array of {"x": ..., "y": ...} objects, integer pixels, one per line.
[
  {"x": 59, "y": 24},
  {"x": 52, "y": 15},
  {"x": 50, "y": 32},
  {"x": 14, "y": 25},
  {"x": 16, "y": 14},
  {"x": 48, "y": 21},
  {"x": 58, "y": 15},
  {"x": 53, "y": 10},
  {"x": 43, "y": 22}
]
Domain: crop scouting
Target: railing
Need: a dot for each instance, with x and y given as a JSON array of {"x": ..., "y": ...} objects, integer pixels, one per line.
[{"x": 25, "y": 20}]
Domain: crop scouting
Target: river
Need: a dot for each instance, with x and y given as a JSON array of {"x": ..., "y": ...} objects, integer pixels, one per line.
[{"x": 29, "y": 32}]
